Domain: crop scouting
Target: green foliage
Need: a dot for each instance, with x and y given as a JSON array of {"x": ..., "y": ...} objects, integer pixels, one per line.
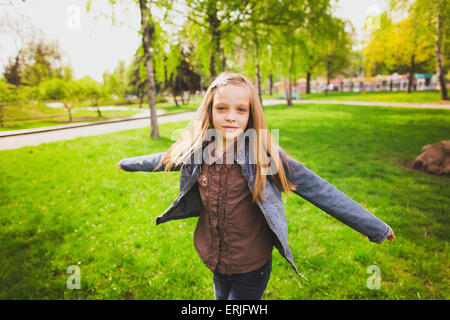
[
  {"x": 61, "y": 90},
  {"x": 40, "y": 61},
  {"x": 392, "y": 45},
  {"x": 336, "y": 49},
  {"x": 167, "y": 55},
  {"x": 7, "y": 93}
]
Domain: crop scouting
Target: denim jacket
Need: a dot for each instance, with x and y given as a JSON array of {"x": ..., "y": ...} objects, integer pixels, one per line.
[{"x": 308, "y": 186}]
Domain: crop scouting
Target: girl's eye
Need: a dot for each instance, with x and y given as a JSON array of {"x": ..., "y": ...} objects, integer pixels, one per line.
[{"x": 240, "y": 109}]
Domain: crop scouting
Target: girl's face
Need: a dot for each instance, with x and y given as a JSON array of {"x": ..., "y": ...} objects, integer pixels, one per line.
[{"x": 230, "y": 111}]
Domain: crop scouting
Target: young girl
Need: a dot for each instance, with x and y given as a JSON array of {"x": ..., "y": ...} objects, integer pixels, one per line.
[{"x": 232, "y": 173}]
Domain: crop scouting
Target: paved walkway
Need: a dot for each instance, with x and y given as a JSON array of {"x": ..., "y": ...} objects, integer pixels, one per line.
[
  {"x": 14, "y": 139},
  {"x": 143, "y": 114},
  {"x": 30, "y": 138}
]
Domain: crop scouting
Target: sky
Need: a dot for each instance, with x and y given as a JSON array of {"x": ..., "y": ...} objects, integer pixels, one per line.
[
  {"x": 93, "y": 44},
  {"x": 357, "y": 11}
]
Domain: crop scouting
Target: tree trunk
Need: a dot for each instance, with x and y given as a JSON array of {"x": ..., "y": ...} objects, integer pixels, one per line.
[
  {"x": 189, "y": 96},
  {"x": 175, "y": 99},
  {"x": 69, "y": 110},
  {"x": 224, "y": 58},
  {"x": 165, "y": 73},
  {"x": 212, "y": 65},
  {"x": 148, "y": 28},
  {"x": 173, "y": 91},
  {"x": 97, "y": 104},
  {"x": 411, "y": 74},
  {"x": 288, "y": 92},
  {"x": 1, "y": 116},
  {"x": 290, "y": 88},
  {"x": 308, "y": 82},
  {"x": 214, "y": 24},
  {"x": 258, "y": 71},
  {"x": 141, "y": 97},
  {"x": 270, "y": 83},
  {"x": 182, "y": 97},
  {"x": 328, "y": 76},
  {"x": 437, "y": 47},
  {"x": 258, "y": 75},
  {"x": 291, "y": 67}
]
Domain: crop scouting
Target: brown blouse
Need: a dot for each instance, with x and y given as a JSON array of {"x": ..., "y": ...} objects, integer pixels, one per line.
[{"x": 232, "y": 233}]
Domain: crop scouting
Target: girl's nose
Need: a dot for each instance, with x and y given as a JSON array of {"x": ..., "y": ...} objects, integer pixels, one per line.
[{"x": 229, "y": 117}]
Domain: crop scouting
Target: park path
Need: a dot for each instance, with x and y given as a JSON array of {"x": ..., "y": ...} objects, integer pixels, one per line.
[
  {"x": 15, "y": 139},
  {"x": 33, "y": 137}
]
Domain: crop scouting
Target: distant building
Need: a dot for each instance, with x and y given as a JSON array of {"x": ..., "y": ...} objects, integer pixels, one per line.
[{"x": 393, "y": 82}]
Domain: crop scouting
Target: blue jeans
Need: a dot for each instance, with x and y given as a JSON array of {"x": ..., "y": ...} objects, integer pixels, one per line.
[{"x": 242, "y": 286}]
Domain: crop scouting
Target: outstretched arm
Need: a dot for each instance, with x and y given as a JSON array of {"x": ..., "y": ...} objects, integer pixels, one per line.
[
  {"x": 334, "y": 202},
  {"x": 145, "y": 163}
]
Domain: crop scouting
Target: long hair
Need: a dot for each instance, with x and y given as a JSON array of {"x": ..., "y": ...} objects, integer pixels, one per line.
[{"x": 194, "y": 134}]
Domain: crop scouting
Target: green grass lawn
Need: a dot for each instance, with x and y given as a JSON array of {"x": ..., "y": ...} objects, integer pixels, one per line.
[
  {"x": 399, "y": 96},
  {"x": 66, "y": 203},
  {"x": 35, "y": 116},
  {"x": 45, "y": 116},
  {"x": 171, "y": 107}
]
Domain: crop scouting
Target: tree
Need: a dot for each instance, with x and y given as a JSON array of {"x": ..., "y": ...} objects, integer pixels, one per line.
[
  {"x": 287, "y": 19},
  {"x": 184, "y": 80},
  {"x": 218, "y": 19},
  {"x": 441, "y": 15},
  {"x": 41, "y": 61},
  {"x": 400, "y": 47},
  {"x": 12, "y": 71},
  {"x": 318, "y": 26},
  {"x": 336, "y": 50},
  {"x": 8, "y": 95},
  {"x": 254, "y": 42},
  {"x": 68, "y": 92},
  {"x": 356, "y": 67},
  {"x": 436, "y": 15},
  {"x": 377, "y": 51},
  {"x": 93, "y": 91},
  {"x": 147, "y": 32},
  {"x": 21, "y": 31},
  {"x": 167, "y": 56},
  {"x": 35, "y": 62},
  {"x": 137, "y": 78},
  {"x": 410, "y": 45},
  {"x": 291, "y": 21},
  {"x": 115, "y": 82}
]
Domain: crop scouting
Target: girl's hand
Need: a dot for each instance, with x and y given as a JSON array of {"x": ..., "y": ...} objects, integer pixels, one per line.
[{"x": 391, "y": 236}]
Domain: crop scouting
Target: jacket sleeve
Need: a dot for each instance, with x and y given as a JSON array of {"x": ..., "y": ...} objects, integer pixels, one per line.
[
  {"x": 145, "y": 163},
  {"x": 334, "y": 202}
]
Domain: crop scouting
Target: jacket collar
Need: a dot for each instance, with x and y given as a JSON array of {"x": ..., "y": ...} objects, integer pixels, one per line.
[
  {"x": 196, "y": 158},
  {"x": 241, "y": 154}
]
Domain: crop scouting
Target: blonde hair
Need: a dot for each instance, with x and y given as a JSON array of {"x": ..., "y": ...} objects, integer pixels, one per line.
[{"x": 194, "y": 134}]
